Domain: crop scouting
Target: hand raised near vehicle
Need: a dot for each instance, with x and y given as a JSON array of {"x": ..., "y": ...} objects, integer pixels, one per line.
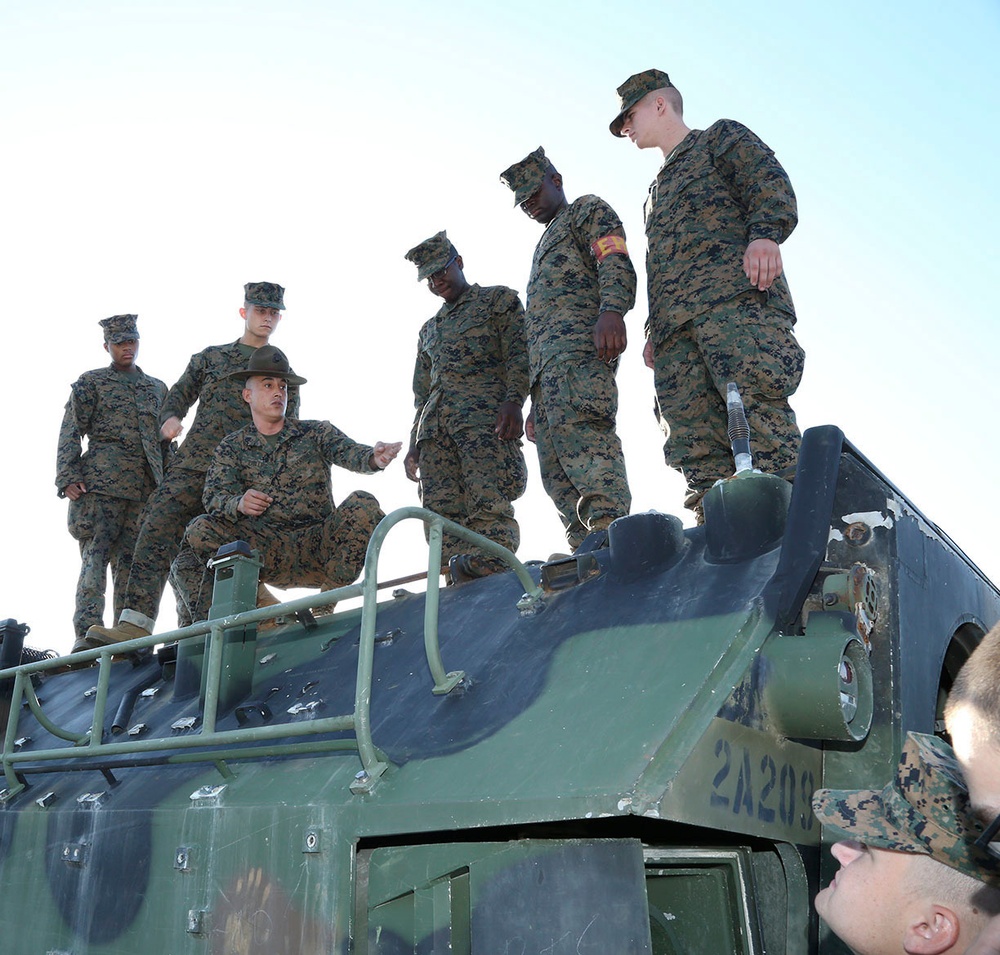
[{"x": 384, "y": 454}]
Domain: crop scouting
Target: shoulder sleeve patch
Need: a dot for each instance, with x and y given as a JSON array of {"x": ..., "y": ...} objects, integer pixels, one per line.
[{"x": 608, "y": 245}]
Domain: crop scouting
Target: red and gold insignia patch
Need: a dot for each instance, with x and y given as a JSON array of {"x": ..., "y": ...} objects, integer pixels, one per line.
[{"x": 608, "y": 245}]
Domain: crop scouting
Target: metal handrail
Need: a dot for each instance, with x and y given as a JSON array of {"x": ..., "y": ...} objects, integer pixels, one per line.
[{"x": 373, "y": 762}]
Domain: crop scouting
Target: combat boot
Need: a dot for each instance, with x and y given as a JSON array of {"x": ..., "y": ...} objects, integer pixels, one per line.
[
  {"x": 105, "y": 636},
  {"x": 465, "y": 567}
]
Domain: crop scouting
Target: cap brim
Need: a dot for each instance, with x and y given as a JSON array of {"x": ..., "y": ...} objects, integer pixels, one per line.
[
  {"x": 427, "y": 270},
  {"x": 524, "y": 193},
  {"x": 617, "y": 123},
  {"x": 863, "y": 816},
  {"x": 290, "y": 379}
]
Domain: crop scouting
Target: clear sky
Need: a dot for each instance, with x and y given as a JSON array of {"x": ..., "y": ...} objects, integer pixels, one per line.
[{"x": 157, "y": 156}]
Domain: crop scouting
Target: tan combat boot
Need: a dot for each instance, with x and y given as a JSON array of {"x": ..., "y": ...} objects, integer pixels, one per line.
[{"x": 105, "y": 636}]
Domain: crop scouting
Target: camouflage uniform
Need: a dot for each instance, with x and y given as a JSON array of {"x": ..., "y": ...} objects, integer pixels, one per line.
[
  {"x": 720, "y": 189},
  {"x": 221, "y": 410},
  {"x": 123, "y": 463},
  {"x": 924, "y": 810},
  {"x": 471, "y": 358},
  {"x": 303, "y": 538},
  {"x": 574, "y": 397}
]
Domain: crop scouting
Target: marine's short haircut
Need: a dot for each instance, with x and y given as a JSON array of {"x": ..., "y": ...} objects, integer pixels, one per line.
[
  {"x": 977, "y": 687},
  {"x": 673, "y": 96},
  {"x": 969, "y": 897}
]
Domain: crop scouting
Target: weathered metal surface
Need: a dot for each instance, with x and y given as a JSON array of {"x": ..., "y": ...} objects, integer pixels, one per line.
[{"x": 630, "y": 748}]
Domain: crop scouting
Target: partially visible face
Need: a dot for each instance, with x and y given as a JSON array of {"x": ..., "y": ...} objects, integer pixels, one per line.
[
  {"x": 123, "y": 353},
  {"x": 546, "y": 201},
  {"x": 267, "y": 397},
  {"x": 449, "y": 282},
  {"x": 868, "y": 891},
  {"x": 979, "y": 756},
  {"x": 260, "y": 320},
  {"x": 638, "y": 122}
]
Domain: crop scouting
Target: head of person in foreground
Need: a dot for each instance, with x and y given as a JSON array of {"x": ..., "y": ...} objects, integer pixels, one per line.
[{"x": 911, "y": 877}]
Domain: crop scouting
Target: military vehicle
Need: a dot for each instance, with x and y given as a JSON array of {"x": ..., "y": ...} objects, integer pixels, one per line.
[{"x": 608, "y": 753}]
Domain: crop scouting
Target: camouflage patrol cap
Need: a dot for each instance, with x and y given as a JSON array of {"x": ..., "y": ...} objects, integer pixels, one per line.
[
  {"x": 526, "y": 176},
  {"x": 265, "y": 294},
  {"x": 432, "y": 255},
  {"x": 633, "y": 90},
  {"x": 268, "y": 362},
  {"x": 120, "y": 328},
  {"x": 924, "y": 810}
]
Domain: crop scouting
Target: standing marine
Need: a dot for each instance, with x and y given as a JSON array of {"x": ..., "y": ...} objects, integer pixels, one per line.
[
  {"x": 221, "y": 410},
  {"x": 117, "y": 410},
  {"x": 719, "y": 306},
  {"x": 470, "y": 380},
  {"x": 581, "y": 285}
]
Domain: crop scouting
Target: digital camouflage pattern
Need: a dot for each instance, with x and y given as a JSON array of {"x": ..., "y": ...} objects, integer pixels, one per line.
[
  {"x": 568, "y": 288},
  {"x": 432, "y": 255},
  {"x": 209, "y": 379},
  {"x": 720, "y": 189},
  {"x": 124, "y": 461},
  {"x": 924, "y": 810},
  {"x": 221, "y": 410},
  {"x": 175, "y": 502},
  {"x": 295, "y": 471},
  {"x": 303, "y": 538},
  {"x": 527, "y": 175},
  {"x": 265, "y": 294},
  {"x": 579, "y": 452},
  {"x": 633, "y": 90},
  {"x": 326, "y": 555},
  {"x": 471, "y": 357},
  {"x": 120, "y": 328},
  {"x": 106, "y": 529},
  {"x": 741, "y": 340},
  {"x": 118, "y": 414},
  {"x": 471, "y": 477}
]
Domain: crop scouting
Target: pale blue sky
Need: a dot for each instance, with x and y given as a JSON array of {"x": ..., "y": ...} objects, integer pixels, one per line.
[{"x": 159, "y": 155}]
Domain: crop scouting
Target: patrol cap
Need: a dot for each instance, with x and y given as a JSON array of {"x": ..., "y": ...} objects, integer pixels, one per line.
[
  {"x": 268, "y": 362},
  {"x": 432, "y": 255},
  {"x": 265, "y": 294},
  {"x": 526, "y": 176},
  {"x": 119, "y": 328},
  {"x": 924, "y": 810},
  {"x": 633, "y": 90}
]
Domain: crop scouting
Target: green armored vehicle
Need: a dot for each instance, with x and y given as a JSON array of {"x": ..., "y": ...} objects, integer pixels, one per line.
[{"x": 610, "y": 753}]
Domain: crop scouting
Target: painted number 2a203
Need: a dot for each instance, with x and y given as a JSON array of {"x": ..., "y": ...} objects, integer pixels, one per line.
[{"x": 761, "y": 790}]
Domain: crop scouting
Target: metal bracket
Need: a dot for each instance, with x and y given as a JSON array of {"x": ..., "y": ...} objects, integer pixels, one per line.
[
  {"x": 451, "y": 680},
  {"x": 365, "y": 780}
]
